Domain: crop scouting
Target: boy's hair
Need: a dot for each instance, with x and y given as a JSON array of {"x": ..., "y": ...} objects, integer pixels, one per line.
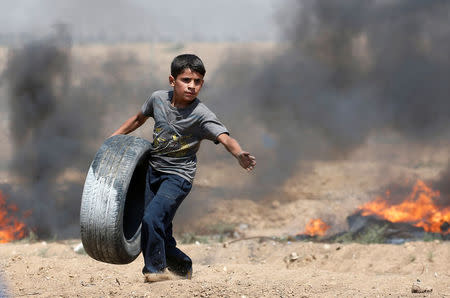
[{"x": 184, "y": 61}]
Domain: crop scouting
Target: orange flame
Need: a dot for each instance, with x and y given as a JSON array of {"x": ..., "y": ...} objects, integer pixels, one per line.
[
  {"x": 316, "y": 227},
  {"x": 10, "y": 227},
  {"x": 418, "y": 209}
]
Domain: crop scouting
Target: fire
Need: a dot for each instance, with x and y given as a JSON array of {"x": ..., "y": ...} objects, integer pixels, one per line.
[
  {"x": 418, "y": 208},
  {"x": 316, "y": 227},
  {"x": 11, "y": 228}
]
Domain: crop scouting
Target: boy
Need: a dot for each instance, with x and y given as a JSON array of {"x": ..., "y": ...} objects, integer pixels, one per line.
[{"x": 181, "y": 122}]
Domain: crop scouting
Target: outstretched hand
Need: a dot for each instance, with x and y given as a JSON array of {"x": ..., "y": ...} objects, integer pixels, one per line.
[{"x": 246, "y": 160}]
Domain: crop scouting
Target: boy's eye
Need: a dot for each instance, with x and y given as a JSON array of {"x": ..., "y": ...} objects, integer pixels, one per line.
[
  {"x": 197, "y": 81},
  {"x": 186, "y": 80}
]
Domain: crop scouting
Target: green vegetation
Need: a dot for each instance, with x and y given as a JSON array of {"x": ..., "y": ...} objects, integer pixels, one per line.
[
  {"x": 177, "y": 47},
  {"x": 373, "y": 234},
  {"x": 430, "y": 257},
  {"x": 431, "y": 237},
  {"x": 218, "y": 232},
  {"x": 222, "y": 228},
  {"x": 188, "y": 238}
]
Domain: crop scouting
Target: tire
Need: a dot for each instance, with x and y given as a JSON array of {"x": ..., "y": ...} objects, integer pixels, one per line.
[{"x": 112, "y": 203}]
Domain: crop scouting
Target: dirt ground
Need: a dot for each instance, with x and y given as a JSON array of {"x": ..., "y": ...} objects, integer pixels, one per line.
[{"x": 247, "y": 268}]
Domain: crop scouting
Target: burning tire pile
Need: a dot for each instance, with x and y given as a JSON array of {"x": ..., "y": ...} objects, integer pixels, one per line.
[{"x": 418, "y": 216}]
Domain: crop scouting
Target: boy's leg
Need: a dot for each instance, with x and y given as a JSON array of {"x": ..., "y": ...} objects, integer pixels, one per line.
[
  {"x": 177, "y": 261},
  {"x": 151, "y": 187},
  {"x": 158, "y": 215}
]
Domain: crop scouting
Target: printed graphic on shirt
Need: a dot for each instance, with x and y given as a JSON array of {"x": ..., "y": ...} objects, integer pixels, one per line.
[{"x": 168, "y": 143}]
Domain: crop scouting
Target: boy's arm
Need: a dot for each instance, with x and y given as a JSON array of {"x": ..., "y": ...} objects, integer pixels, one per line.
[
  {"x": 131, "y": 124},
  {"x": 245, "y": 159}
]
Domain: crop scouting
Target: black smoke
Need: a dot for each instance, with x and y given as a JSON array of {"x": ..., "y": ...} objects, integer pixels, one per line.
[
  {"x": 442, "y": 184},
  {"x": 351, "y": 70},
  {"x": 49, "y": 129},
  {"x": 56, "y": 125}
]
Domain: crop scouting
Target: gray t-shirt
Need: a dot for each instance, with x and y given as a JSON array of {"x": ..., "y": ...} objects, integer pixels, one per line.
[{"x": 178, "y": 132}]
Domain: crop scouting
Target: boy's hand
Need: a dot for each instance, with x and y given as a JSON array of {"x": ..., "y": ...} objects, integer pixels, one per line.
[{"x": 246, "y": 160}]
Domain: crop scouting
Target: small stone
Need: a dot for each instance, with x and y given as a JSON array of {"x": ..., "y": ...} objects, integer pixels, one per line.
[
  {"x": 293, "y": 256},
  {"x": 197, "y": 243},
  {"x": 326, "y": 246},
  {"x": 275, "y": 204}
]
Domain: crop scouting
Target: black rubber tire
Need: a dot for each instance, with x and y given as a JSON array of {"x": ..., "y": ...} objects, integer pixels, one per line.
[{"x": 113, "y": 200}]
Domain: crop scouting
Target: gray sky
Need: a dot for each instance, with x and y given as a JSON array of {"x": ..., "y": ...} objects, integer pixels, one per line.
[{"x": 175, "y": 20}]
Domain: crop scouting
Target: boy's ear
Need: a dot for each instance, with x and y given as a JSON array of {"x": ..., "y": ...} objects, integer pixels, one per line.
[{"x": 172, "y": 81}]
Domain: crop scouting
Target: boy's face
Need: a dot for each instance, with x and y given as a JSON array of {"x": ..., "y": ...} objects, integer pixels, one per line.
[{"x": 186, "y": 86}]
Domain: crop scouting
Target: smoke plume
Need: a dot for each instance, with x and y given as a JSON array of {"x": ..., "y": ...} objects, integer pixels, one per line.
[
  {"x": 49, "y": 130},
  {"x": 353, "y": 69},
  {"x": 56, "y": 124},
  {"x": 443, "y": 185}
]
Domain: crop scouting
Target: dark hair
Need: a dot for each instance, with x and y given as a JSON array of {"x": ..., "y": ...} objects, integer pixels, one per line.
[{"x": 185, "y": 61}]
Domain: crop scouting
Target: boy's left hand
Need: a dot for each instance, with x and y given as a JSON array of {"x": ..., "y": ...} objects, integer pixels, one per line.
[{"x": 246, "y": 160}]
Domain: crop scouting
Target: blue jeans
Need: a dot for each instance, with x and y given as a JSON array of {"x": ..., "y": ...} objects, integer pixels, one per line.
[{"x": 163, "y": 195}]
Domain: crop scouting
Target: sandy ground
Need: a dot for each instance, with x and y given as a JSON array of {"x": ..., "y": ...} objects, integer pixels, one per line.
[{"x": 247, "y": 268}]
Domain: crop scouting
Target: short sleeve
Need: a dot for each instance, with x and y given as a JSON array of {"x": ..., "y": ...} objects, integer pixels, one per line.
[
  {"x": 212, "y": 127},
  {"x": 147, "y": 107}
]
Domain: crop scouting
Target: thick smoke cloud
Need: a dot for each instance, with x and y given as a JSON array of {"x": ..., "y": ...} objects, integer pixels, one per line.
[
  {"x": 50, "y": 129},
  {"x": 443, "y": 185},
  {"x": 56, "y": 126},
  {"x": 353, "y": 69},
  {"x": 38, "y": 76}
]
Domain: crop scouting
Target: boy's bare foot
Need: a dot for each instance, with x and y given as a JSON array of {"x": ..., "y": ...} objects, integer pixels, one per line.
[{"x": 155, "y": 277}]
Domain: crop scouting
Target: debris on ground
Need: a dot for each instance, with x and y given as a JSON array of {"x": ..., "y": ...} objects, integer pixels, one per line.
[
  {"x": 292, "y": 257},
  {"x": 417, "y": 287}
]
